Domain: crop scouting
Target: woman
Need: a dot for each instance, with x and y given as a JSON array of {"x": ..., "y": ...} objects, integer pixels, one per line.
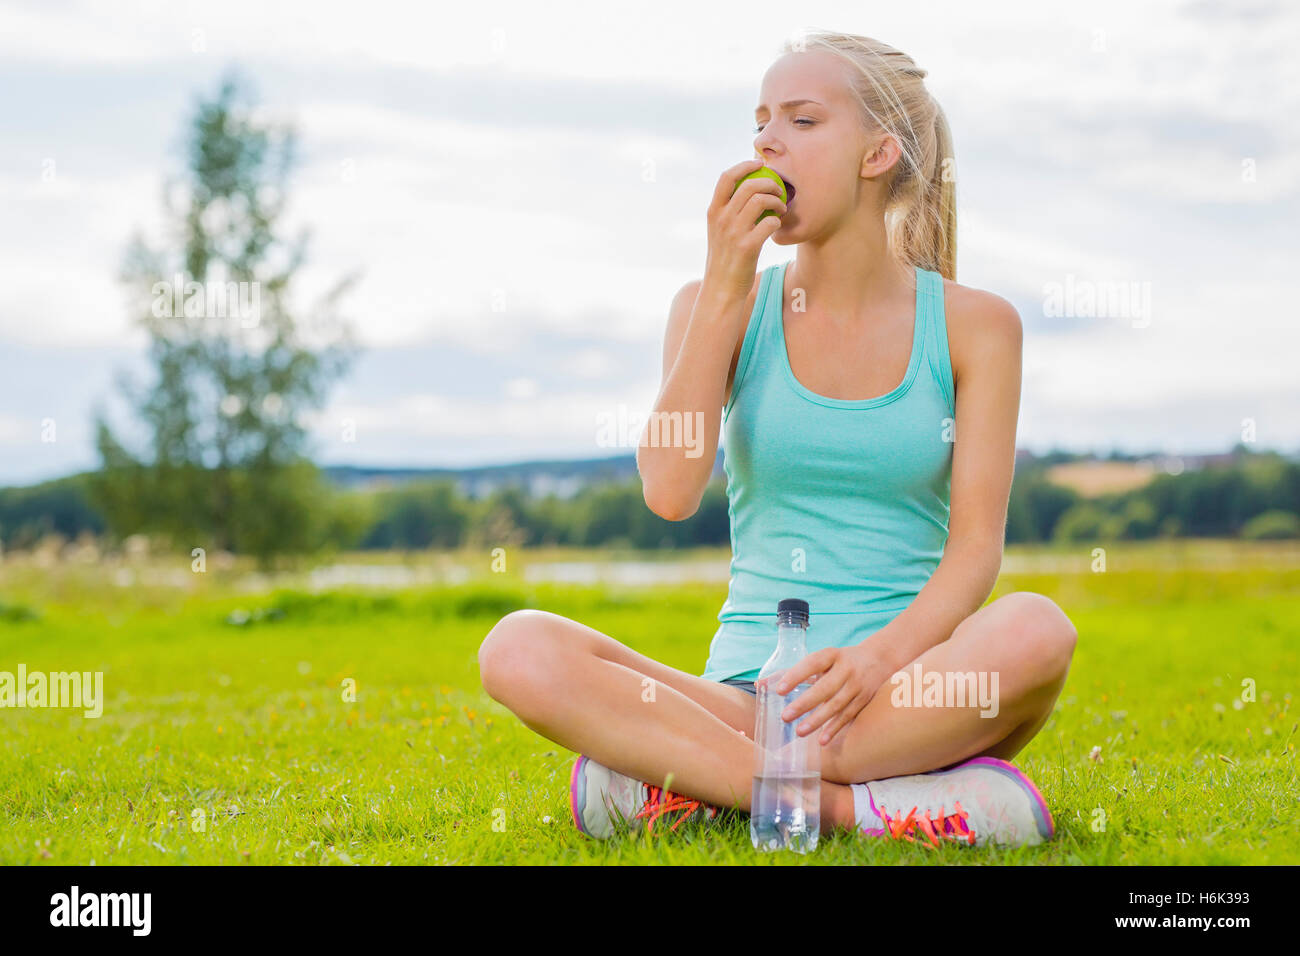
[{"x": 853, "y": 369}]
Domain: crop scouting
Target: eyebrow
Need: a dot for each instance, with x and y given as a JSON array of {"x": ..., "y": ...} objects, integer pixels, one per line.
[{"x": 788, "y": 105}]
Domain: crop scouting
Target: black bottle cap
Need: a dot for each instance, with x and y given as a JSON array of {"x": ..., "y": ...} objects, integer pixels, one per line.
[{"x": 797, "y": 608}]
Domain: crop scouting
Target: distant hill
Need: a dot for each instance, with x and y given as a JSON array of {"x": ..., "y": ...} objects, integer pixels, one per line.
[
  {"x": 1089, "y": 475},
  {"x": 563, "y": 478}
]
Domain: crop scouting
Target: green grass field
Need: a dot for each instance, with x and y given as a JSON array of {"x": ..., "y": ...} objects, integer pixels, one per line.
[{"x": 233, "y": 743}]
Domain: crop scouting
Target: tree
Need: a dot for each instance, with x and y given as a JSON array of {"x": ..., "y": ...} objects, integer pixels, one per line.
[
  {"x": 235, "y": 369},
  {"x": 1082, "y": 522},
  {"x": 426, "y": 514},
  {"x": 1272, "y": 525}
]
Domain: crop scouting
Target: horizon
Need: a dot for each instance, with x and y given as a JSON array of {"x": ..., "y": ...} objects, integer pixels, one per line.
[{"x": 1101, "y": 457}]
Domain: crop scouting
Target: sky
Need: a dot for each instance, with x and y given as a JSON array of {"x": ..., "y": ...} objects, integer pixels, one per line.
[{"x": 522, "y": 189}]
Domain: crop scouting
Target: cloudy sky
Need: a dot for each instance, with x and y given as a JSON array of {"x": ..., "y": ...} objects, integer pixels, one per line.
[{"x": 522, "y": 188}]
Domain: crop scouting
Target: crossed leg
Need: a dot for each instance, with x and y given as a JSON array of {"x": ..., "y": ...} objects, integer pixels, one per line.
[
  {"x": 1023, "y": 638},
  {"x": 591, "y": 694}
]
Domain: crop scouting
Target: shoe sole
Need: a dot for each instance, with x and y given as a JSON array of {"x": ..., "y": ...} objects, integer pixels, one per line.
[
  {"x": 1042, "y": 816},
  {"x": 578, "y": 792}
]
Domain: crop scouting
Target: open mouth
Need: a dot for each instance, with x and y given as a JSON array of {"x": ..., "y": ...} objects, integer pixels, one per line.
[{"x": 789, "y": 190}]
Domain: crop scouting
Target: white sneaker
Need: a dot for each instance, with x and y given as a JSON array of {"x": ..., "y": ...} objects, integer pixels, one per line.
[
  {"x": 601, "y": 799},
  {"x": 979, "y": 802}
]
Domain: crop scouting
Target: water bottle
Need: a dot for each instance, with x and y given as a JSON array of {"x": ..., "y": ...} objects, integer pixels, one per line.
[{"x": 785, "y": 807}]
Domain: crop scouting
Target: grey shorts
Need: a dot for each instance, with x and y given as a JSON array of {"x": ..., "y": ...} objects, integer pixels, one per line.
[{"x": 745, "y": 685}]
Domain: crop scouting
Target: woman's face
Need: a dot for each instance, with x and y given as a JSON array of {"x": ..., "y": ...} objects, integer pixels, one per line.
[{"x": 817, "y": 146}]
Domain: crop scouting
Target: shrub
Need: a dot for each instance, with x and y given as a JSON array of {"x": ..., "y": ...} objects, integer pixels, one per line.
[{"x": 1272, "y": 525}]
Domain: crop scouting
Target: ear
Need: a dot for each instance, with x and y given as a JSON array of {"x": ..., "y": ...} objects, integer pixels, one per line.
[{"x": 882, "y": 153}]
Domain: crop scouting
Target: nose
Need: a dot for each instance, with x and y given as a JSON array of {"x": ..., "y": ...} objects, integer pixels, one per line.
[{"x": 763, "y": 142}]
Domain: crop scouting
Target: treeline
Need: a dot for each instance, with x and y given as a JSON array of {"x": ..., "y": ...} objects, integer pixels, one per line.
[{"x": 1258, "y": 497}]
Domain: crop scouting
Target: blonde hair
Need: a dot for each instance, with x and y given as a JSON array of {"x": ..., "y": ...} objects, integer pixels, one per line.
[{"x": 921, "y": 208}]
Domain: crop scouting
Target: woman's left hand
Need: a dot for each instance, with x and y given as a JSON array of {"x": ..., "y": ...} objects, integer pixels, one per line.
[{"x": 844, "y": 680}]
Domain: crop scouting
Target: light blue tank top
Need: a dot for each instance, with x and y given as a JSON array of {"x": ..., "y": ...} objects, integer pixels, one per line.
[{"x": 843, "y": 503}]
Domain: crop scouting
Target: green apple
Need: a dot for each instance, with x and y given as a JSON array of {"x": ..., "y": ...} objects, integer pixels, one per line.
[{"x": 764, "y": 172}]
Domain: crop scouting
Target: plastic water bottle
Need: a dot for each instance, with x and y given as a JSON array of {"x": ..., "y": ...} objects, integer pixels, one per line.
[{"x": 785, "y": 807}]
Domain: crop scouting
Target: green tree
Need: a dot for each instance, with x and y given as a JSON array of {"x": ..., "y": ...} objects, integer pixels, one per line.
[
  {"x": 226, "y": 464},
  {"x": 503, "y": 520},
  {"x": 1083, "y": 522},
  {"x": 1035, "y": 506},
  {"x": 426, "y": 514},
  {"x": 60, "y": 506},
  {"x": 1138, "y": 519},
  {"x": 1272, "y": 525}
]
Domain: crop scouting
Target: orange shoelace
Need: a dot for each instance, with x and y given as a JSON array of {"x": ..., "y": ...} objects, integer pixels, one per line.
[
  {"x": 951, "y": 826},
  {"x": 662, "y": 802}
]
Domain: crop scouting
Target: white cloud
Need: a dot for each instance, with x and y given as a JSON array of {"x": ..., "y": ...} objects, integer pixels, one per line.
[
  {"x": 520, "y": 389},
  {"x": 440, "y": 423},
  {"x": 592, "y": 363},
  {"x": 1194, "y": 349},
  {"x": 14, "y": 430}
]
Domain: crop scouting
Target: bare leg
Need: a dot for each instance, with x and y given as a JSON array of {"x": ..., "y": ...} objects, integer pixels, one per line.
[
  {"x": 592, "y": 695},
  {"x": 1023, "y": 637}
]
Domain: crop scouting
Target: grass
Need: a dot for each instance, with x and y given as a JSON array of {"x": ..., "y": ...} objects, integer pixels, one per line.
[{"x": 226, "y": 736}]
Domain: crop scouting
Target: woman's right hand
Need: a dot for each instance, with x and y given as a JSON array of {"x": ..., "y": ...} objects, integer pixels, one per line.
[{"x": 736, "y": 234}]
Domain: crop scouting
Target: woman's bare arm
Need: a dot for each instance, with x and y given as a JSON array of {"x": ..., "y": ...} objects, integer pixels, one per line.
[{"x": 680, "y": 442}]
